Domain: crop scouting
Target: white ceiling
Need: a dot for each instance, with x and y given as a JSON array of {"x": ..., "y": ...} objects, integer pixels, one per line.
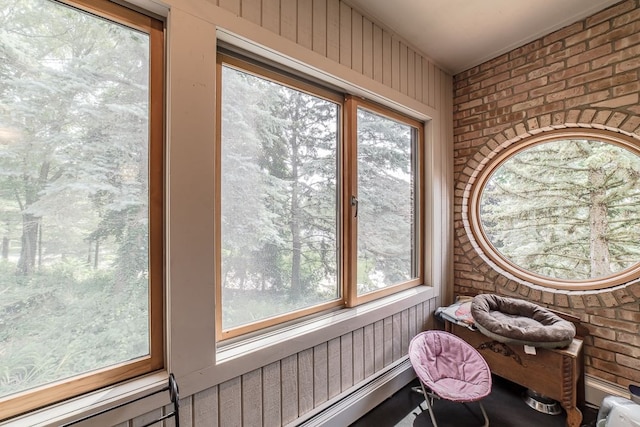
[{"x": 460, "y": 34}]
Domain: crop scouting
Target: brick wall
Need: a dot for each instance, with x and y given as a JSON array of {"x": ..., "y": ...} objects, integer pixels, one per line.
[{"x": 584, "y": 75}]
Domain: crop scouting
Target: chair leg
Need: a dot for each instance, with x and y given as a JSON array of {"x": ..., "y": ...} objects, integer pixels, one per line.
[
  {"x": 429, "y": 401},
  {"x": 484, "y": 414}
]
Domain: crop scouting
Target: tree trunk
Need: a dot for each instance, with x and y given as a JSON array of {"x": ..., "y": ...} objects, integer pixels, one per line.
[
  {"x": 296, "y": 285},
  {"x": 598, "y": 225},
  {"x": 27, "y": 261}
]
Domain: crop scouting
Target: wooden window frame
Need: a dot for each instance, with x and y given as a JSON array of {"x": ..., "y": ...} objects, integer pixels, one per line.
[
  {"x": 624, "y": 276},
  {"x": 350, "y": 221},
  {"x": 48, "y": 394},
  {"x": 347, "y": 181}
]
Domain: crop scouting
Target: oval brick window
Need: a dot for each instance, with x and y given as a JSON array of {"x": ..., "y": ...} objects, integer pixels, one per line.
[{"x": 562, "y": 209}]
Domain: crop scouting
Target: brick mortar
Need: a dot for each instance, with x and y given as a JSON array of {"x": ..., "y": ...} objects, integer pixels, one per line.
[{"x": 580, "y": 88}]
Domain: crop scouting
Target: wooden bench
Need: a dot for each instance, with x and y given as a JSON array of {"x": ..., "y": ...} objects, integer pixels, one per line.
[{"x": 555, "y": 373}]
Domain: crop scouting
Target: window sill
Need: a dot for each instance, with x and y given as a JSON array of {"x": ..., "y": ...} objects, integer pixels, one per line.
[
  {"x": 232, "y": 360},
  {"x": 108, "y": 397},
  {"x": 240, "y": 357}
]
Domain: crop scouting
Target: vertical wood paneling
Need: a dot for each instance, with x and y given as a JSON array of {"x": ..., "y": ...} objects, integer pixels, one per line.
[
  {"x": 395, "y": 63},
  {"x": 377, "y": 53},
  {"x": 404, "y": 332},
  {"x": 418, "y": 77},
  {"x": 232, "y": 6},
  {"x": 305, "y": 23},
  {"x": 345, "y": 35},
  {"x": 356, "y": 41},
  {"x": 346, "y": 361},
  {"x": 205, "y": 408},
  {"x": 305, "y": 378},
  {"x": 369, "y": 351},
  {"x": 320, "y": 374},
  {"x": 186, "y": 413},
  {"x": 146, "y": 418},
  {"x": 333, "y": 30},
  {"x": 396, "y": 322},
  {"x": 403, "y": 68},
  {"x": 358, "y": 355},
  {"x": 420, "y": 317},
  {"x": 289, "y": 367},
  {"x": 333, "y": 352},
  {"x": 251, "y": 10},
  {"x": 425, "y": 81},
  {"x": 432, "y": 84},
  {"x": 367, "y": 47},
  {"x": 411, "y": 73},
  {"x": 252, "y": 398},
  {"x": 271, "y": 395},
  {"x": 387, "y": 59},
  {"x": 124, "y": 424},
  {"x": 289, "y": 19},
  {"x": 413, "y": 322},
  {"x": 319, "y": 43},
  {"x": 388, "y": 343},
  {"x": 230, "y": 409},
  {"x": 271, "y": 15},
  {"x": 378, "y": 333}
]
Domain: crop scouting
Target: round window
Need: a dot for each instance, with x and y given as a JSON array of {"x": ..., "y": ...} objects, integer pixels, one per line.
[{"x": 562, "y": 210}]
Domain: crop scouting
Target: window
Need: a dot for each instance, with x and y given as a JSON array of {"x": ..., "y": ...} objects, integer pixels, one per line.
[
  {"x": 561, "y": 209},
  {"x": 310, "y": 216},
  {"x": 81, "y": 136}
]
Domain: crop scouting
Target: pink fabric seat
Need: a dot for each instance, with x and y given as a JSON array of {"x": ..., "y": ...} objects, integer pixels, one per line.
[{"x": 450, "y": 368}]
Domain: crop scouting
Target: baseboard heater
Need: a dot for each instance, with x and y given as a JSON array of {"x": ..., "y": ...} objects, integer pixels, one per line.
[{"x": 353, "y": 403}]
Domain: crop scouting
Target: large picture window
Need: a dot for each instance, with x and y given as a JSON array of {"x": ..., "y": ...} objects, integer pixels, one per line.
[
  {"x": 318, "y": 199},
  {"x": 562, "y": 209},
  {"x": 81, "y": 137}
]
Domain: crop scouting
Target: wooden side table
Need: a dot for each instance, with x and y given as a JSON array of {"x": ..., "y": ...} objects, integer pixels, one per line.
[{"x": 555, "y": 373}]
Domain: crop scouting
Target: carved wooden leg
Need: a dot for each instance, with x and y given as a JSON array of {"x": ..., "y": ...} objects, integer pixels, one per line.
[{"x": 574, "y": 416}]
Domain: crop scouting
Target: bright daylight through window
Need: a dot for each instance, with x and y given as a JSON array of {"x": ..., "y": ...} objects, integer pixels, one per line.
[
  {"x": 564, "y": 211},
  {"x": 81, "y": 240},
  {"x": 294, "y": 237},
  {"x": 386, "y": 196}
]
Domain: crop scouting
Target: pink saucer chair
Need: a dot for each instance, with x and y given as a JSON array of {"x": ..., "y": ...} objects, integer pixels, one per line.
[{"x": 449, "y": 368}]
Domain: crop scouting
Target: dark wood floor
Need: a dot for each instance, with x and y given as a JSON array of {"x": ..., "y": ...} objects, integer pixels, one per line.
[{"x": 505, "y": 408}]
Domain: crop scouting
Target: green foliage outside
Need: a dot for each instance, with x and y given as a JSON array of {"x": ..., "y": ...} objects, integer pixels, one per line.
[
  {"x": 73, "y": 193},
  {"x": 280, "y": 157},
  {"x": 567, "y": 209}
]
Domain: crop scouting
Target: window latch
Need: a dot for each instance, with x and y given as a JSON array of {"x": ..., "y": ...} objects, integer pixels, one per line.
[{"x": 354, "y": 202}]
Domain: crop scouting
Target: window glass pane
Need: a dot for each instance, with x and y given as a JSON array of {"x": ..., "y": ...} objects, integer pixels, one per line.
[
  {"x": 279, "y": 198},
  {"x": 73, "y": 193},
  {"x": 567, "y": 209},
  {"x": 386, "y": 202}
]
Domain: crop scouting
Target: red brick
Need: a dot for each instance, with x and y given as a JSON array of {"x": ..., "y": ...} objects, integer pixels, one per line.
[
  {"x": 531, "y": 84},
  {"x": 564, "y": 94},
  {"x": 568, "y": 72},
  {"x": 566, "y": 53},
  {"x": 586, "y": 100},
  {"x": 547, "y": 107},
  {"x": 548, "y": 69},
  {"x": 589, "y": 55},
  {"x": 590, "y": 77},
  {"x": 626, "y": 89},
  {"x": 632, "y": 16},
  {"x": 615, "y": 34},
  {"x": 616, "y": 80},
  {"x": 611, "y": 12},
  {"x": 627, "y": 41},
  {"x": 563, "y": 33},
  {"x": 631, "y": 64},
  {"x": 587, "y": 34},
  {"x": 617, "y": 56}
]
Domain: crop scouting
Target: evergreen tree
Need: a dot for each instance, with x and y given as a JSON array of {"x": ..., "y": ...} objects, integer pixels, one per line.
[{"x": 566, "y": 209}]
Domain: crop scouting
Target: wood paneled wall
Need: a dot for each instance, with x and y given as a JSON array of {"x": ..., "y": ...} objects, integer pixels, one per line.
[
  {"x": 283, "y": 391},
  {"x": 335, "y": 30},
  {"x": 279, "y": 393}
]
